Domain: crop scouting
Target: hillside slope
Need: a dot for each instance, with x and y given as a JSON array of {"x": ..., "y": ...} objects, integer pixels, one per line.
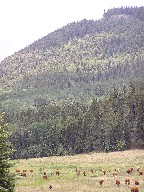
[
  {"x": 79, "y": 89},
  {"x": 83, "y": 59}
]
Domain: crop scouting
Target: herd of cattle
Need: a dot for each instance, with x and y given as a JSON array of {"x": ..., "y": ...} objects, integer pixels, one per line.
[{"x": 133, "y": 185}]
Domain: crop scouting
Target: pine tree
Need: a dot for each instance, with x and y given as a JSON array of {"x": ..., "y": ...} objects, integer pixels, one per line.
[{"x": 6, "y": 178}]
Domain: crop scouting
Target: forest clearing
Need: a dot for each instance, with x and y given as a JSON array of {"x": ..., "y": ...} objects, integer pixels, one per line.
[{"x": 81, "y": 172}]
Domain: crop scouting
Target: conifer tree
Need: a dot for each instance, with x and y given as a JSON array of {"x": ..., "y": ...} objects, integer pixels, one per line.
[{"x": 6, "y": 178}]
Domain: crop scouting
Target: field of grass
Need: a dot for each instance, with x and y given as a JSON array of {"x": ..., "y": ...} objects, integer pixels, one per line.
[{"x": 68, "y": 181}]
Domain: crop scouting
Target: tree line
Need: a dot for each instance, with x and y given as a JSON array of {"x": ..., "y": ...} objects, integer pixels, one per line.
[{"x": 111, "y": 123}]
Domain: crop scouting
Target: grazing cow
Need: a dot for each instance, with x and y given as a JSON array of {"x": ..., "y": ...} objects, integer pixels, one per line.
[
  {"x": 141, "y": 173},
  {"x": 101, "y": 181},
  {"x": 138, "y": 168},
  {"x": 134, "y": 189},
  {"x": 84, "y": 173},
  {"x": 24, "y": 174},
  {"x": 115, "y": 174},
  {"x": 117, "y": 182},
  {"x": 45, "y": 175},
  {"x": 24, "y": 171},
  {"x": 137, "y": 182},
  {"x": 50, "y": 187},
  {"x": 17, "y": 171},
  {"x": 129, "y": 171},
  {"x": 57, "y": 172},
  {"x": 127, "y": 181},
  {"x": 104, "y": 171},
  {"x": 31, "y": 171}
]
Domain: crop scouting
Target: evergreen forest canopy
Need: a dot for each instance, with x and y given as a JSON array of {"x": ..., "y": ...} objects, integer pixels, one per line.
[{"x": 78, "y": 89}]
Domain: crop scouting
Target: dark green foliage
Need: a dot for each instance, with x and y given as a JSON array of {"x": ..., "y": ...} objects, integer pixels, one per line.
[
  {"x": 6, "y": 178},
  {"x": 112, "y": 123},
  {"x": 136, "y": 12},
  {"x": 70, "y": 91}
]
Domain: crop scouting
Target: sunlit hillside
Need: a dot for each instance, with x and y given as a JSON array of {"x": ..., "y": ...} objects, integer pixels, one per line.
[{"x": 81, "y": 60}]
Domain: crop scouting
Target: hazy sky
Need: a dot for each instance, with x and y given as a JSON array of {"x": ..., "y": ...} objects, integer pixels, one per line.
[{"x": 24, "y": 21}]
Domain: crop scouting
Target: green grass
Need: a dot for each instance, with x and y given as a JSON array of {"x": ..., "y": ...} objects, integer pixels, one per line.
[{"x": 68, "y": 181}]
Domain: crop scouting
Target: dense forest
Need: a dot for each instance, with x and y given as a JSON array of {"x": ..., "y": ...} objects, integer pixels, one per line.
[
  {"x": 78, "y": 89},
  {"x": 113, "y": 123}
]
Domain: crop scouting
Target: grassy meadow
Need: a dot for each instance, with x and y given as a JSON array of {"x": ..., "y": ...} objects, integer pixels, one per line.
[{"x": 68, "y": 181}]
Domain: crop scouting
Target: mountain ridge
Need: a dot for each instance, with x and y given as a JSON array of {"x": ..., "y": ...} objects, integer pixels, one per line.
[{"x": 80, "y": 55}]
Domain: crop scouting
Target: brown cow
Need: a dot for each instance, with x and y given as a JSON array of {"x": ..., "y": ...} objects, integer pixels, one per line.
[
  {"x": 129, "y": 171},
  {"x": 127, "y": 181},
  {"x": 134, "y": 189},
  {"x": 138, "y": 168},
  {"x": 57, "y": 172},
  {"x": 31, "y": 171},
  {"x": 104, "y": 171},
  {"x": 114, "y": 174},
  {"x": 84, "y": 173},
  {"x": 24, "y": 174},
  {"x": 101, "y": 181},
  {"x": 45, "y": 175},
  {"x": 141, "y": 173},
  {"x": 17, "y": 171},
  {"x": 117, "y": 182},
  {"x": 50, "y": 187},
  {"x": 137, "y": 182}
]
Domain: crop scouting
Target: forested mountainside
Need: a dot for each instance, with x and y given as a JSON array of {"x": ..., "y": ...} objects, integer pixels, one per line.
[
  {"x": 87, "y": 57},
  {"x": 78, "y": 89}
]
